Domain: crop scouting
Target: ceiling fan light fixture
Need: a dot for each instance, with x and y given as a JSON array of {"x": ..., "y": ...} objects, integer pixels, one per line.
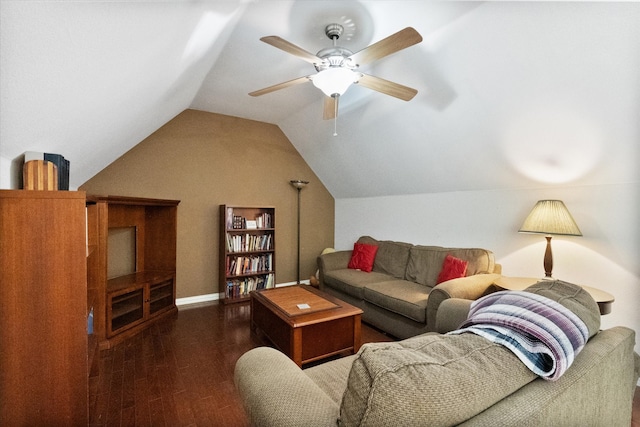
[{"x": 335, "y": 80}]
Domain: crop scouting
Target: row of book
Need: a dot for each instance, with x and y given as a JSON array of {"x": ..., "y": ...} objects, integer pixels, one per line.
[
  {"x": 264, "y": 220},
  {"x": 238, "y": 222},
  {"x": 241, "y": 288},
  {"x": 239, "y": 265},
  {"x": 249, "y": 242}
]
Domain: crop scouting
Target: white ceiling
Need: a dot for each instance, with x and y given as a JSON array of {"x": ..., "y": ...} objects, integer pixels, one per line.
[{"x": 510, "y": 94}]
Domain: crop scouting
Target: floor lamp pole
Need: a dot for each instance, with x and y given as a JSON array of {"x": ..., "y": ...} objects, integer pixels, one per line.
[{"x": 298, "y": 185}]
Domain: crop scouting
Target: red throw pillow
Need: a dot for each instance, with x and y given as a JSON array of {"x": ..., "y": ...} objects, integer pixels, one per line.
[
  {"x": 452, "y": 268},
  {"x": 363, "y": 256}
]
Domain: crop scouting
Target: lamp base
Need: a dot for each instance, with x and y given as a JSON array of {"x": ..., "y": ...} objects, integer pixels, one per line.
[{"x": 548, "y": 260}]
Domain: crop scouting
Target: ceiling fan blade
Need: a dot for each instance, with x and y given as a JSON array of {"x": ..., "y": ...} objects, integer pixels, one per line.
[
  {"x": 280, "y": 86},
  {"x": 291, "y": 48},
  {"x": 389, "y": 88},
  {"x": 394, "y": 43},
  {"x": 330, "y": 110}
]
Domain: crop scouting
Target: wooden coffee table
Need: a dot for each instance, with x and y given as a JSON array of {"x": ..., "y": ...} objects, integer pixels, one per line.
[{"x": 304, "y": 323}]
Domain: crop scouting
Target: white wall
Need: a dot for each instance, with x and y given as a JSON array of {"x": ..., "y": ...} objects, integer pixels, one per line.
[
  {"x": 5, "y": 176},
  {"x": 607, "y": 257}
]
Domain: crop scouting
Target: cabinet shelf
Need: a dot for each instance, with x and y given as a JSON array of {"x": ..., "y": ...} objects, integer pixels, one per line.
[
  {"x": 257, "y": 273},
  {"x": 247, "y": 254},
  {"x": 131, "y": 280},
  {"x": 245, "y": 230},
  {"x": 266, "y": 251},
  {"x": 119, "y": 309}
]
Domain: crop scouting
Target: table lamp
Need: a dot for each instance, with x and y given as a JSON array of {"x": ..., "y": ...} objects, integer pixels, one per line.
[{"x": 550, "y": 217}]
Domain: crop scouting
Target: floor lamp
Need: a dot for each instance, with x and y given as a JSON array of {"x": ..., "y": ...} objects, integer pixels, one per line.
[
  {"x": 550, "y": 217},
  {"x": 298, "y": 185}
]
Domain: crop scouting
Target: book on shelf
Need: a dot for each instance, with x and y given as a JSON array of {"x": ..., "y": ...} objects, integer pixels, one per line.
[{"x": 229, "y": 219}]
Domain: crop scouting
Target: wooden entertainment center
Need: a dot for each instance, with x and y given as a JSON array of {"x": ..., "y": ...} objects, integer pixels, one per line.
[
  {"x": 61, "y": 300},
  {"x": 142, "y": 289}
]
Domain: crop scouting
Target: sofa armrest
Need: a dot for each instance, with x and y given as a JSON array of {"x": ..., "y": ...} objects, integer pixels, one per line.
[
  {"x": 332, "y": 261},
  {"x": 451, "y": 313},
  {"x": 470, "y": 288},
  {"x": 276, "y": 392}
]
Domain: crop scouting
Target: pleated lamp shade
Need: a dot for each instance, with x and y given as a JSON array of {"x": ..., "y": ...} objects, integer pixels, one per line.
[{"x": 550, "y": 217}]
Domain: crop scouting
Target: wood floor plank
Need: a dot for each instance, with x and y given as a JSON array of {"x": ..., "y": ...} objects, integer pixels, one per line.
[
  {"x": 156, "y": 412},
  {"x": 142, "y": 411},
  {"x": 128, "y": 384}
]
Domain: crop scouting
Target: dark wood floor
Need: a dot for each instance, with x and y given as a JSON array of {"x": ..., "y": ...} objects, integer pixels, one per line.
[{"x": 179, "y": 372}]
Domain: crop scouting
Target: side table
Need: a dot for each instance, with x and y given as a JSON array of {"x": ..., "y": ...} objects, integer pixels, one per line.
[{"x": 604, "y": 299}]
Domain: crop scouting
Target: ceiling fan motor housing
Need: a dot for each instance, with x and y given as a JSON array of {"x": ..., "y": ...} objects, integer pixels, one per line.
[{"x": 334, "y": 56}]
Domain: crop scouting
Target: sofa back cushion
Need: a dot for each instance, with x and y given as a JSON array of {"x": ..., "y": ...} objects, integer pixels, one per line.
[
  {"x": 425, "y": 262},
  {"x": 392, "y": 257},
  {"x": 431, "y": 379}
]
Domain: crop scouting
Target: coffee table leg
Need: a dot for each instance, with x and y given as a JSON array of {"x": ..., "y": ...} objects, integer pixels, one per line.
[
  {"x": 252, "y": 324},
  {"x": 296, "y": 346},
  {"x": 357, "y": 342}
]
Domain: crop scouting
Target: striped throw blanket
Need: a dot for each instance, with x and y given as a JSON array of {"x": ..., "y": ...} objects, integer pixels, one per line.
[{"x": 542, "y": 333}]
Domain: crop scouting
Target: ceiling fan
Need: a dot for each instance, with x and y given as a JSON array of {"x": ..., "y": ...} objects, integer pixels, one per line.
[{"x": 337, "y": 67}]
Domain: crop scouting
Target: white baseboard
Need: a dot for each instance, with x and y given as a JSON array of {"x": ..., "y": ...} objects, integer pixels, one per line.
[
  {"x": 197, "y": 299},
  {"x": 215, "y": 297}
]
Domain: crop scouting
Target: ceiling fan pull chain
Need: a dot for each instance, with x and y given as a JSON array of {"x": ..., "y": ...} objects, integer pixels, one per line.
[{"x": 335, "y": 117}]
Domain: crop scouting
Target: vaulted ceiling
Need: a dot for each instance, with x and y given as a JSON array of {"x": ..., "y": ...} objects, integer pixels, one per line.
[{"x": 510, "y": 94}]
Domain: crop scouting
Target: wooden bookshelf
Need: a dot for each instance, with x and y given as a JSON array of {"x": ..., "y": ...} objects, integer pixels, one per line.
[{"x": 247, "y": 251}]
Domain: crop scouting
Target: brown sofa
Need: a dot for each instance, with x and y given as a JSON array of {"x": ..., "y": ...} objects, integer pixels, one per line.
[
  {"x": 444, "y": 380},
  {"x": 400, "y": 295}
]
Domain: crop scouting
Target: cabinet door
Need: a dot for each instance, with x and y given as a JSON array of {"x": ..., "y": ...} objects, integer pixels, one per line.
[
  {"x": 43, "y": 308},
  {"x": 161, "y": 296},
  {"x": 124, "y": 310}
]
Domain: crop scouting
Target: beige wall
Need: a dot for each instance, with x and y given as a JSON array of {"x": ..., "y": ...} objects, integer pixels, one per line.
[{"x": 205, "y": 160}]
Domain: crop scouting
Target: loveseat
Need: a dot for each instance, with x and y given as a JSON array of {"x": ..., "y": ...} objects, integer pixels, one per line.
[
  {"x": 451, "y": 379},
  {"x": 401, "y": 293}
]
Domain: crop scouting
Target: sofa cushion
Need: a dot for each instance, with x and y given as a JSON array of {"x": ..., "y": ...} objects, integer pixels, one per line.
[
  {"x": 352, "y": 282},
  {"x": 399, "y": 296},
  {"x": 452, "y": 268},
  {"x": 392, "y": 257},
  {"x": 362, "y": 257},
  {"x": 425, "y": 262},
  {"x": 430, "y": 379}
]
